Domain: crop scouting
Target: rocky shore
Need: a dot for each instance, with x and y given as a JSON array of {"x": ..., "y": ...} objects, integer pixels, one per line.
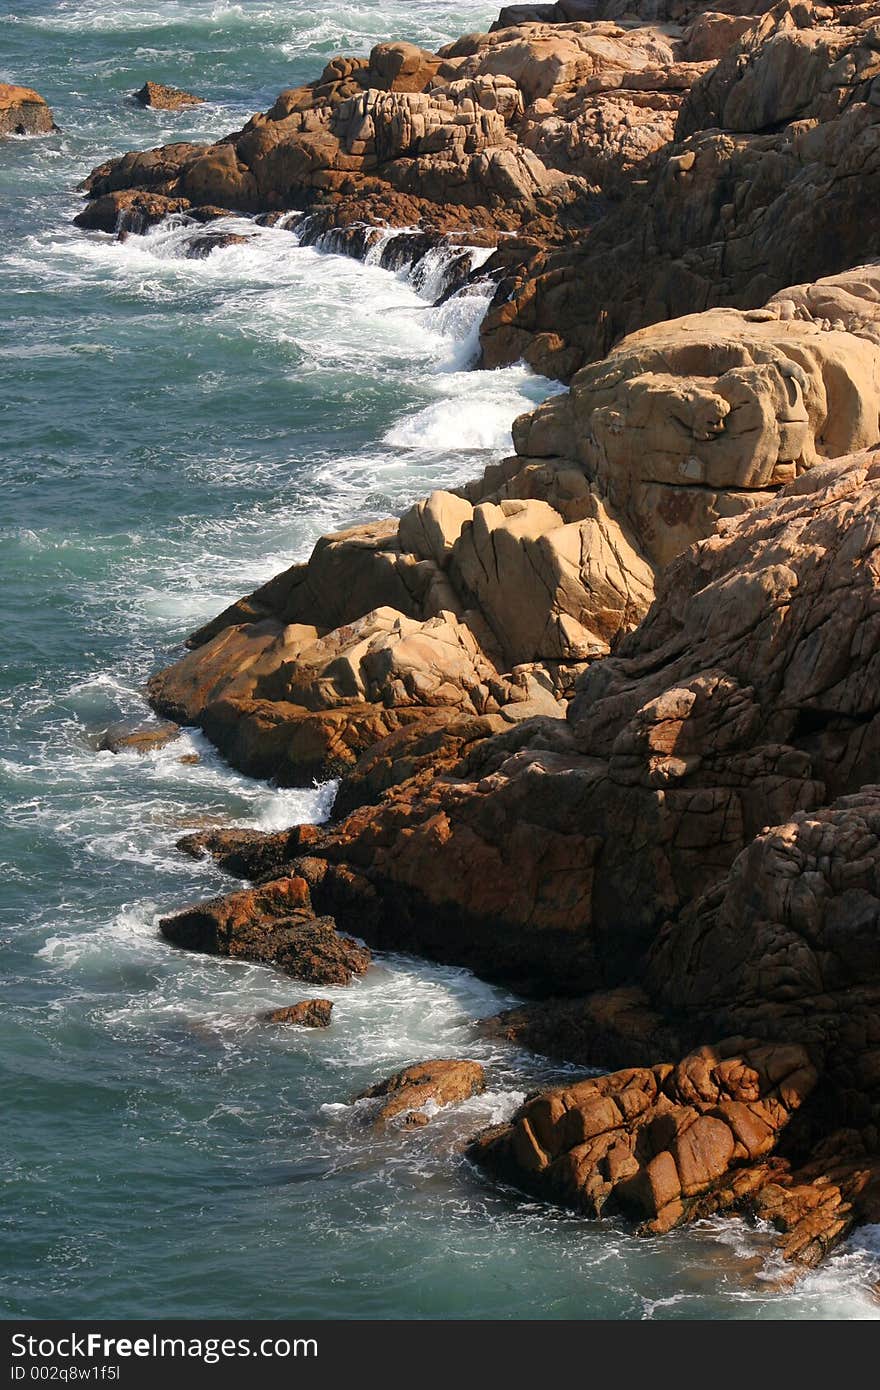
[{"x": 607, "y": 719}]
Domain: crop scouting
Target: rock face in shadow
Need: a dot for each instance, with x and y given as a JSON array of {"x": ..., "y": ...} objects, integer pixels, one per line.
[{"x": 24, "y": 112}]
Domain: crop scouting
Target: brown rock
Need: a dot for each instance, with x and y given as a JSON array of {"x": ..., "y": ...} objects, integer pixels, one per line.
[
  {"x": 309, "y": 1013},
  {"x": 436, "y": 1083},
  {"x": 128, "y": 211},
  {"x": 510, "y": 131},
  {"x": 649, "y": 1141},
  {"x": 273, "y": 925},
  {"x": 165, "y": 98},
  {"x": 24, "y": 112},
  {"x": 203, "y": 246},
  {"x": 768, "y": 183},
  {"x": 141, "y": 738}
]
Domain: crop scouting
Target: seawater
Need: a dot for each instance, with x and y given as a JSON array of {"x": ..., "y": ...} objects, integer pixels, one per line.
[{"x": 173, "y": 433}]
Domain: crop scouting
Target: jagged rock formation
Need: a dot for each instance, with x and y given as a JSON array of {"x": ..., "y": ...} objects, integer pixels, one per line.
[
  {"x": 624, "y": 854},
  {"x": 650, "y": 166},
  {"x": 527, "y": 129},
  {"x": 401, "y": 643},
  {"x": 24, "y": 112}
]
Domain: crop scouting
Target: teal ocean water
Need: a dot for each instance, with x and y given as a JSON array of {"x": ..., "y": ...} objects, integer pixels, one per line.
[{"x": 174, "y": 432}]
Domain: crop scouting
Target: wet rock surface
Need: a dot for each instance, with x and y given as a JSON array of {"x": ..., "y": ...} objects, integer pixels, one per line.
[
  {"x": 308, "y": 1013},
  {"x": 137, "y": 737},
  {"x": 274, "y": 925}
]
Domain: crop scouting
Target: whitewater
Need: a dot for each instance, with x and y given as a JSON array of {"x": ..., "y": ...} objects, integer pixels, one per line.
[{"x": 174, "y": 432}]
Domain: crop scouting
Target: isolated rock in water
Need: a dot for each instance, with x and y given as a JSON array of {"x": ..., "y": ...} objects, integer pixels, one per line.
[
  {"x": 203, "y": 246},
  {"x": 437, "y": 1082},
  {"x": 273, "y": 925},
  {"x": 165, "y": 98},
  {"x": 310, "y": 1013},
  {"x": 24, "y": 112},
  {"x": 142, "y": 738}
]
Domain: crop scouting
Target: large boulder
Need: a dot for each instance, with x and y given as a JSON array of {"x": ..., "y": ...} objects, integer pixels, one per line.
[
  {"x": 308, "y": 1013},
  {"x": 24, "y": 112},
  {"x": 701, "y": 418}
]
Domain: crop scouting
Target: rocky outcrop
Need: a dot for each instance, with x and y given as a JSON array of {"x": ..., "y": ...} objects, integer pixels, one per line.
[
  {"x": 637, "y": 171},
  {"x": 607, "y": 718},
  {"x": 24, "y": 112},
  {"x": 309, "y": 1013},
  {"x": 524, "y": 130},
  {"x": 274, "y": 925},
  {"x": 163, "y": 98},
  {"x": 140, "y": 738},
  {"x": 623, "y": 854},
  {"x": 417, "y": 1091}
]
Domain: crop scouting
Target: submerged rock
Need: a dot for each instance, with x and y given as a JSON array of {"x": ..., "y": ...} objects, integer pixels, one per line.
[
  {"x": 274, "y": 925},
  {"x": 436, "y": 1083},
  {"x": 24, "y": 112},
  {"x": 309, "y": 1013},
  {"x": 165, "y": 98}
]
